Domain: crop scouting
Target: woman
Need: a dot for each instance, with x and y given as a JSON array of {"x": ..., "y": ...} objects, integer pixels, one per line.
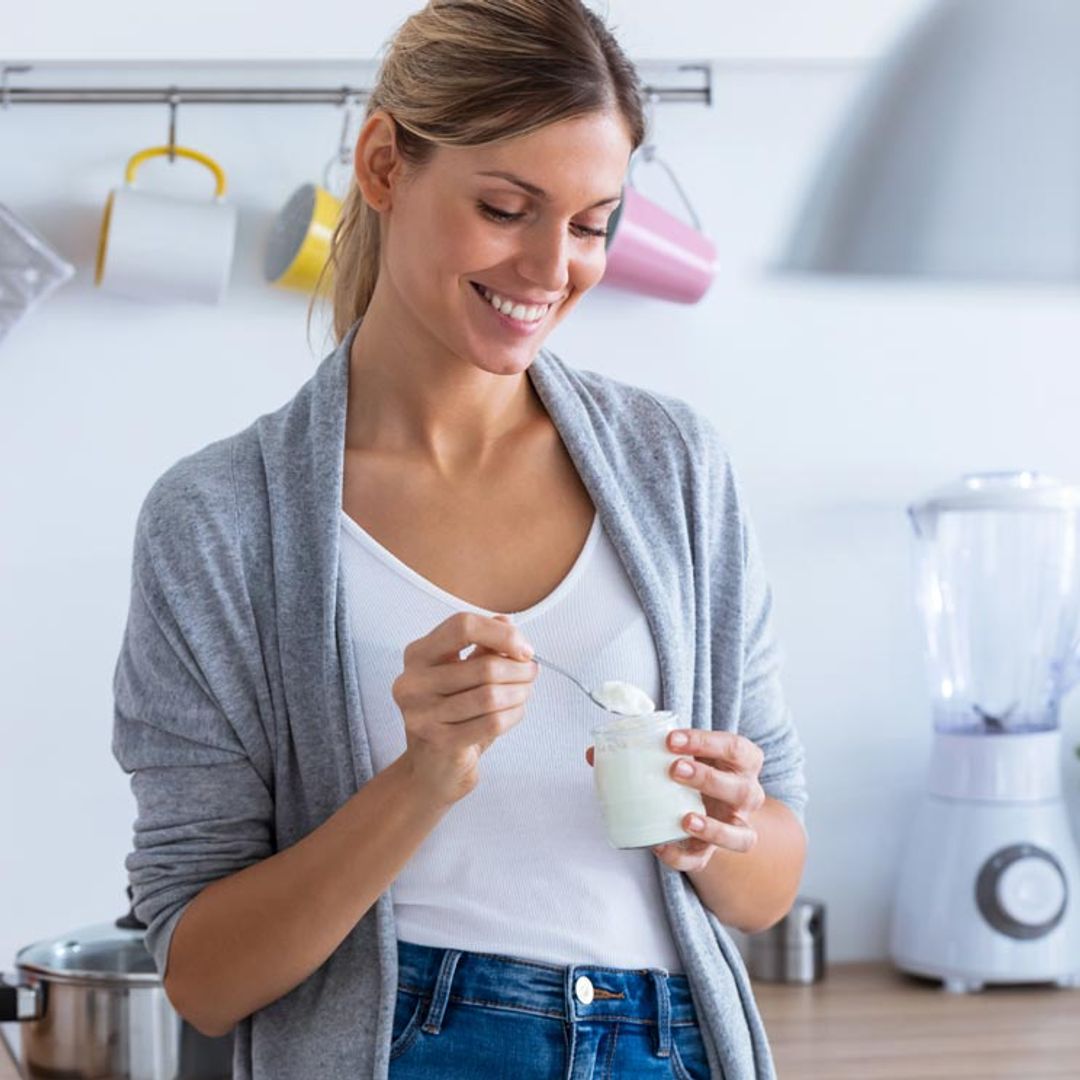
[{"x": 367, "y": 838}]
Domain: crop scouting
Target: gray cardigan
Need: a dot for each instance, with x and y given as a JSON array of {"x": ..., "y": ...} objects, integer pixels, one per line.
[{"x": 237, "y": 710}]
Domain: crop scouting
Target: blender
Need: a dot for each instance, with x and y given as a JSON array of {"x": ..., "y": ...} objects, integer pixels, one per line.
[{"x": 990, "y": 879}]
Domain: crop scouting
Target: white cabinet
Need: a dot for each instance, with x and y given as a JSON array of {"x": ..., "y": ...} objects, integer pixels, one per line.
[{"x": 355, "y": 30}]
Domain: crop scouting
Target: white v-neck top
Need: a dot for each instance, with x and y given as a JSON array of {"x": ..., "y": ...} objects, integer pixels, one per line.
[{"x": 520, "y": 866}]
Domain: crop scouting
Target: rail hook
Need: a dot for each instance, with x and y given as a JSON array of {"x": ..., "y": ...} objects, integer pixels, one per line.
[{"x": 174, "y": 102}]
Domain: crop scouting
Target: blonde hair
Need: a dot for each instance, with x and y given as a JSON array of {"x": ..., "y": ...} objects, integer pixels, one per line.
[{"x": 474, "y": 72}]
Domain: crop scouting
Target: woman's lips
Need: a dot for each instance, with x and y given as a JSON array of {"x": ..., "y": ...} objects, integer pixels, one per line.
[{"x": 517, "y": 326}]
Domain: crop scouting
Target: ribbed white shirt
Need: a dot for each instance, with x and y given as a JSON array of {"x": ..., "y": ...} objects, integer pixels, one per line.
[{"x": 521, "y": 866}]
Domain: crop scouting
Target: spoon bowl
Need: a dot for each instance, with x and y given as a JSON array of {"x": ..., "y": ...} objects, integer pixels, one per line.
[{"x": 584, "y": 689}]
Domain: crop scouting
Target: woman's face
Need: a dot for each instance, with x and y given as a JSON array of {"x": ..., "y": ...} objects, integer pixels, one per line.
[{"x": 453, "y": 229}]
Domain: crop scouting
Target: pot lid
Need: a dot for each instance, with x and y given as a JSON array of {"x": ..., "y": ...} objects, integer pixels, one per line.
[
  {"x": 1019, "y": 490},
  {"x": 103, "y": 952}
]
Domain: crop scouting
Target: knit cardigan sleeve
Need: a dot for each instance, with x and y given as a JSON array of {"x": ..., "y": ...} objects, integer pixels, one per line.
[
  {"x": 737, "y": 601},
  {"x": 764, "y": 714},
  {"x": 204, "y": 808}
]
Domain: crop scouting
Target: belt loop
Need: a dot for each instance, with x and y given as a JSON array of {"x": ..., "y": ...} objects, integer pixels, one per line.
[
  {"x": 663, "y": 1021},
  {"x": 568, "y": 994},
  {"x": 441, "y": 994}
]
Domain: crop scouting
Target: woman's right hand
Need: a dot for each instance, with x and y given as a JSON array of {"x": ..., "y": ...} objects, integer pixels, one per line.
[{"x": 455, "y": 709}]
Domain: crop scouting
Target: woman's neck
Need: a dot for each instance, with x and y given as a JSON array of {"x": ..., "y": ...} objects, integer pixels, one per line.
[{"x": 406, "y": 398}]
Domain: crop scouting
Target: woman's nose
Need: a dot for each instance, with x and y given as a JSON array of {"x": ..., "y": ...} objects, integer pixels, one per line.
[{"x": 546, "y": 260}]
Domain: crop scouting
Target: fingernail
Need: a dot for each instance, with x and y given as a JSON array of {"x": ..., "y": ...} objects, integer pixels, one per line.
[
  {"x": 695, "y": 822},
  {"x": 526, "y": 652},
  {"x": 684, "y": 768},
  {"x": 679, "y": 738}
]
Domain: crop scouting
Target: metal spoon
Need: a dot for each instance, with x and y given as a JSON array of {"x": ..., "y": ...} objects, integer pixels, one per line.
[{"x": 584, "y": 689}]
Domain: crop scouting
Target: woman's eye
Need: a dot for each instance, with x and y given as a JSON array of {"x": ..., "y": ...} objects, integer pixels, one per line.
[
  {"x": 504, "y": 216},
  {"x": 498, "y": 215}
]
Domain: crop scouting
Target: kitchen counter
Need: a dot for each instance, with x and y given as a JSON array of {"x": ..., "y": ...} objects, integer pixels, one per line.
[
  {"x": 869, "y": 1022},
  {"x": 8, "y": 1068}
]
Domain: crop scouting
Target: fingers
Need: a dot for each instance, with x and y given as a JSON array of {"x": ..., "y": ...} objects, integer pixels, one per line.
[
  {"x": 464, "y": 628},
  {"x": 481, "y": 731},
  {"x": 481, "y": 650},
  {"x": 485, "y": 700},
  {"x": 695, "y": 849},
  {"x": 689, "y": 846},
  {"x": 452, "y": 678},
  {"x": 741, "y": 793},
  {"x": 685, "y": 855},
  {"x": 732, "y": 750},
  {"x": 721, "y": 833}
]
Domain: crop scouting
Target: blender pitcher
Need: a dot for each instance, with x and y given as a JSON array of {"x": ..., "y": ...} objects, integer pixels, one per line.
[{"x": 999, "y": 590}]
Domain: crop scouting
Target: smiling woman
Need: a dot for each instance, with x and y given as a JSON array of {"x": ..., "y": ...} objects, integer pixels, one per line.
[
  {"x": 519, "y": 220},
  {"x": 531, "y": 65},
  {"x": 353, "y": 845}
]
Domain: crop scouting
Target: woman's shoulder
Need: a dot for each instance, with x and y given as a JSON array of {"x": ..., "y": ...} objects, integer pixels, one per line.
[
  {"x": 208, "y": 481},
  {"x": 653, "y": 417},
  {"x": 189, "y": 513}
]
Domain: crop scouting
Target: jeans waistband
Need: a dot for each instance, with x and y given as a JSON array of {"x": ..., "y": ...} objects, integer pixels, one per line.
[{"x": 572, "y": 992}]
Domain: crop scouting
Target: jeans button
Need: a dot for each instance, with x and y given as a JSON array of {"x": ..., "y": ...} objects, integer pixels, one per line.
[{"x": 583, "y": 988}]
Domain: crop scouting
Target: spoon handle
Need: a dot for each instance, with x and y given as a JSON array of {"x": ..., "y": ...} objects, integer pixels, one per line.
[{"x": 555, "y": 667}]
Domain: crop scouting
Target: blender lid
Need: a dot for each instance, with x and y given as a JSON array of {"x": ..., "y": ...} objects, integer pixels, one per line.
[
  {"x": 1020, "y": 490},
  {"x": 99, "y": 953}
]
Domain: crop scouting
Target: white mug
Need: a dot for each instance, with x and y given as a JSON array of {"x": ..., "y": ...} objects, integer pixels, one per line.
[{"x": 155, "y": 246}]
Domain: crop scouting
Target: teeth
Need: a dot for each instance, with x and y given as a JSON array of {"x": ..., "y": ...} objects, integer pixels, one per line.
[{"x": 521, "y": 312}]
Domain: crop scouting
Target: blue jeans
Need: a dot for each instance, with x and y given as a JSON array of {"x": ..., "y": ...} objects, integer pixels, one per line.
[{"x": 479, "y": 1016}]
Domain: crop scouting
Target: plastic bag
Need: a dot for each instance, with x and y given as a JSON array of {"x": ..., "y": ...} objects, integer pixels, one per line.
[{"x": 29, "y": 269}]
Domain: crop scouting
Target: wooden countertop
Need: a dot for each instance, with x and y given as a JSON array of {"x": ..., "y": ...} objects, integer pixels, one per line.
[
  {"x": 870, "y": 1022},
  {"x": 9, "y": 1070}
]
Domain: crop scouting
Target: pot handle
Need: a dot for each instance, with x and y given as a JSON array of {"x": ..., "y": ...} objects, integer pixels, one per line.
[{"x": 19, "y": 1000}]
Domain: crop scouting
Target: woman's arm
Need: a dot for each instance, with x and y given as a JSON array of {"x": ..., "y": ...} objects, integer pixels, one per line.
[
  {"x": 232, "y": 921},
  {"x": 249, "y": 938},
  {"x": 746, "y": 860},
  {"x": 752, "y": 890}
]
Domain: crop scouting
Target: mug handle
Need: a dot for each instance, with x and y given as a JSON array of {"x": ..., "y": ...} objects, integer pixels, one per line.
[
  {"x": 648, "y": 153},
  {"x": 156, "y": 151}
]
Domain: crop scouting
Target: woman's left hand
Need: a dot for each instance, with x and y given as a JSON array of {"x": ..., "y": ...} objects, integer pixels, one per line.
[{"x": 725, "y": 769}]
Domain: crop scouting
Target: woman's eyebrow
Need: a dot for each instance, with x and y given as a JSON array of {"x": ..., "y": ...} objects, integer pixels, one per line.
[{"x": 539, "y": 192}]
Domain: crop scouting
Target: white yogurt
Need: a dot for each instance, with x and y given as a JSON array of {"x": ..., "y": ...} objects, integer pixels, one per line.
[
  {"x": 642, "y": 803},
  {"x": 623, "y": 697}
]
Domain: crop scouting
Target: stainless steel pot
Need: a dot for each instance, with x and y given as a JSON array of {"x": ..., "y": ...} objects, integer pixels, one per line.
[{"x": 93, "y": 1008}]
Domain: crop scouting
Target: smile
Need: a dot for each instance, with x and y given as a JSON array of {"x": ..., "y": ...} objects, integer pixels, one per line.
[{"x": 521, "y": 313}]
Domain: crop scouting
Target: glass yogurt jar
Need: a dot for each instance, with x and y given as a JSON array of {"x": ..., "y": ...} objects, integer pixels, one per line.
[{"x": 642, "y": 803}]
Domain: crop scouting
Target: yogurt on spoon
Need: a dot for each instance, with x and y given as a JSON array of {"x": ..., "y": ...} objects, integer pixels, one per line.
[{"x": 623, "y": 698}]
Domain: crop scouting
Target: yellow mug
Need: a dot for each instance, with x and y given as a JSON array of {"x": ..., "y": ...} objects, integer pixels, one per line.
[{"x": 298, "y": 246}]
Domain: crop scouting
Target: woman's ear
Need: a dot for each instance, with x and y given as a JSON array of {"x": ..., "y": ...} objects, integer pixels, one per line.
[{"x": 376, "y": 160}]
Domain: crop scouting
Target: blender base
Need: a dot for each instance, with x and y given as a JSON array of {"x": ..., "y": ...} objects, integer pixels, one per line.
[{"x": 989, "y": 887}]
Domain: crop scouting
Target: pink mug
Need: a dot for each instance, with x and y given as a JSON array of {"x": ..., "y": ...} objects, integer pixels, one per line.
[{"x": 652, "y": 252}]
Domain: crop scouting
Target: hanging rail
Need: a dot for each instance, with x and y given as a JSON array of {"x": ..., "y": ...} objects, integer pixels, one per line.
[{"x": 192, "y": 95}]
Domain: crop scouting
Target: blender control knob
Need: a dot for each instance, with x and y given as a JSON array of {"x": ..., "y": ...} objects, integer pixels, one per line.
[
  {"x": 1031, "y": 890},
  {"x": 1021, "y": 891}
]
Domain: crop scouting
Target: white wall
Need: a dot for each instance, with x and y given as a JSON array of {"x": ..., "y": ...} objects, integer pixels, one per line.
[
  {"x": 205, "y": 29},
  {"x": 839, "y": 404}
]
